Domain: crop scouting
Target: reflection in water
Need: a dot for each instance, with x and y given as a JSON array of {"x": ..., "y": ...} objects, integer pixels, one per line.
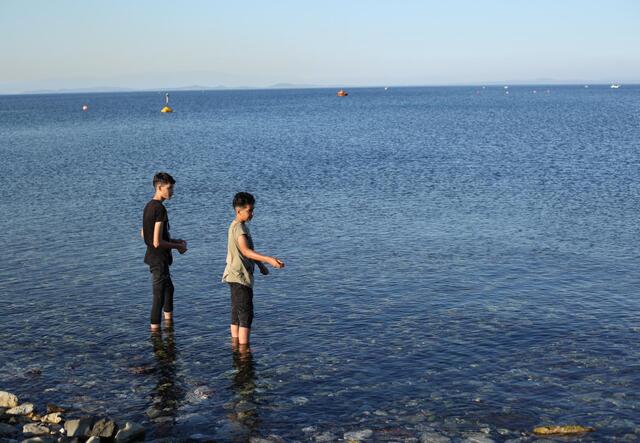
[
  {"x": 245, "y": 408},
  {"x": 167, "y": 394}
]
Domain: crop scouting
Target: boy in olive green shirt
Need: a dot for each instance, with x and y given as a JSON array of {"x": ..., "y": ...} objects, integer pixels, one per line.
[{"x": 240, "y": 266}]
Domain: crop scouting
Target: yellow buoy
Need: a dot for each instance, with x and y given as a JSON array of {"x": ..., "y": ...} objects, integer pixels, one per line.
[
  {"x": 562, "y": 430},
  {"x": 166, "y": 108}
]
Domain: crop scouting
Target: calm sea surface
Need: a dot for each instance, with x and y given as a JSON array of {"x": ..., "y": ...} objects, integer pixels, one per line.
[{"x": 459, "y": 260}]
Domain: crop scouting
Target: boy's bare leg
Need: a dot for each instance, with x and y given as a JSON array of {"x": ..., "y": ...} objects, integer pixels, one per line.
[
  {"x": 154, "y": 327},
  {"x": 168, "y": 316},
  {"x": 234, "y": 331},
  {"x": 243, "y": 335}
]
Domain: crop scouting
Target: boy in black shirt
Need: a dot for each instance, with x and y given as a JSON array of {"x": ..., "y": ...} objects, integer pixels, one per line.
[{"x": 155, "y": 231}]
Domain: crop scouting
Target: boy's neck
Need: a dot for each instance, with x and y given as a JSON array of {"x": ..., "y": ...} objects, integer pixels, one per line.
[
  {"x": 237, "y": 220},
  {"x": 158, "y": 197}
]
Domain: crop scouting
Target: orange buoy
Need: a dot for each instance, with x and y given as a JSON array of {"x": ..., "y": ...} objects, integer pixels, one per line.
[{"x": 342, "y": 93}]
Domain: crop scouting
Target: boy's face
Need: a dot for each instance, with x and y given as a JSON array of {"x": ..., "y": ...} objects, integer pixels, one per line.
[
  {"x": 244, "y": 213},
  {"x": 165, "y": 191}
]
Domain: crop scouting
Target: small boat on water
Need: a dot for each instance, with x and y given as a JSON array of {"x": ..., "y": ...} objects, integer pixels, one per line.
[
  {"x": 342, "y": 93},
  {"x": 615, "y": 86}
]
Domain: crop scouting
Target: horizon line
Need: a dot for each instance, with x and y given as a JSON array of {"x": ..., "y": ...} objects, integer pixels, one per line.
[{"x": 293, "y": 86}]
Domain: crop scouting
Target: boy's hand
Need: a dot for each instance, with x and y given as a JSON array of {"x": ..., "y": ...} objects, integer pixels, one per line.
[
  {"x": 276, "y": 263},
  {"x": 263, "y": 269},
  {"x": 183, "y": 246}
]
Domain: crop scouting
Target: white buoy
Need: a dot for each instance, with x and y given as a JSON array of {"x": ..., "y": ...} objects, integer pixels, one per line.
[{"x": 85, "y": 108}]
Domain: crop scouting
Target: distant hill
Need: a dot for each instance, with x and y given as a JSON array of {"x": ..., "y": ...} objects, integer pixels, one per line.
[
  {"x": 292, "y": 86},
  {"x": 79, "y": 90}
]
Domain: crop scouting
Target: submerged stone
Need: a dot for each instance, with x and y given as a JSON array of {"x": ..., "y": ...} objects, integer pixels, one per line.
[
  {"x": 477, "y": 438},
  {"x": 325, "y": 437},
  {"x": 434, "y": 437},
  {"x": 562, "y": 430},
  {"x": 52, "y": 408},
  {"x": 358, "y": 435}
]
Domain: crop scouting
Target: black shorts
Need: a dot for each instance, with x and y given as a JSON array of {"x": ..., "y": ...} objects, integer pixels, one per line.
[{"x": 241, "y": 305}]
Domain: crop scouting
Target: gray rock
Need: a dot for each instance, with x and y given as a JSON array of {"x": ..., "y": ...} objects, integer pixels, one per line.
[
  {"x": 80, "y": 427},
  {"x": 53, "y": 418},
  {"x": 35, "y": 429},
  {"x": 130, "y": 432},
  {"x": 104, "y": 428},
  {"x": 8, "y": 400},
  {"x": 7, "y": 430},
  {"x": 433, "y": 437},
  {"x": 23, "y": 409},
  {"x": 358, "y": 435}
]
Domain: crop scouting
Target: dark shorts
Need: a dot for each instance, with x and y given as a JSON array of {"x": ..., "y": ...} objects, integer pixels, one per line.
[{"x": 241, "y": 305}]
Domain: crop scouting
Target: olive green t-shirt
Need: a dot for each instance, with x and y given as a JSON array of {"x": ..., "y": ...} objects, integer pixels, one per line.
[{"x": 239, "y": 268}]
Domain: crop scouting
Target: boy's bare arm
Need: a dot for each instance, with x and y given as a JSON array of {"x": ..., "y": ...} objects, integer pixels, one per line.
[
  {"x": 158, "y": 242},
  {"x": 243, "y": 245}
]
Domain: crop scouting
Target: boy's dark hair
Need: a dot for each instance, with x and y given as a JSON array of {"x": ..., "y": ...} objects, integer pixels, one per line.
[
  {"x": 162, "y": 178},
  {"x": 243, "y": 199}
]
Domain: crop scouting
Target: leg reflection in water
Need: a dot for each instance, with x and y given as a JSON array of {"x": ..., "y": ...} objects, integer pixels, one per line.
[
  {"x": 244, "y": 386},
  {"x": 167, "y": 394}
]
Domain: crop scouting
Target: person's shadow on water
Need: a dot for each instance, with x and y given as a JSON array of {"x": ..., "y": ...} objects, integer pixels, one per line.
[
  {"x": 167, "y": 394},
  {"x": 243, "y": 385}
]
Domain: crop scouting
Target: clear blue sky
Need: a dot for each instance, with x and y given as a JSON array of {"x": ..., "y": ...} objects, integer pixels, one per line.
[{"x": 158, "y": 44}]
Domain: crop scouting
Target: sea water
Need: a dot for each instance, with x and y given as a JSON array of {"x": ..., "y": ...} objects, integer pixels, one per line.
[{"x": 460, "y": 262}]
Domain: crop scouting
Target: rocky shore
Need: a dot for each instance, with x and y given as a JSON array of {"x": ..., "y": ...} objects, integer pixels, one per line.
[{"x": 26, "y": 423}]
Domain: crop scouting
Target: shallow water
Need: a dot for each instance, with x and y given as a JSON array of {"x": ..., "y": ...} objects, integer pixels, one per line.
[{"x": 459, "y": 260}]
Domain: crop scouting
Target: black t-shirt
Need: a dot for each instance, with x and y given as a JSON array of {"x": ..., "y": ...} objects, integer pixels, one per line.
[{"x": 154, "y": 212}]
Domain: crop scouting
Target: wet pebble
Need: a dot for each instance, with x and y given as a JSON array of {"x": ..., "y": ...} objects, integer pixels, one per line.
[
  {"x": 477, "y": 438},
  {"x": 325, "y": 437},
  {"x": 358, "y": 435},
  {"x": 433, "y": 437}
]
